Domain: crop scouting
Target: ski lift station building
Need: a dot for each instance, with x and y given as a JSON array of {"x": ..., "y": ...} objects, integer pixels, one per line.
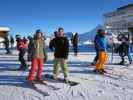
[
  {"x": 4, "y": 31},
  {"x": 120, "y": 20}
]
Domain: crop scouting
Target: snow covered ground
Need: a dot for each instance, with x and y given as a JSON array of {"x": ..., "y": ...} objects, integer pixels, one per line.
[{"x": 115, "y": 86}]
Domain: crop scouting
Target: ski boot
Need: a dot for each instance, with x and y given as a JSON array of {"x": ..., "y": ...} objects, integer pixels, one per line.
[
  {"x": 122, "y": 63},
  {"x": 66, "y": 80},
  {"x": 98, "y": 71},
  {"x": 93, "y": 63},
  {"x": 130, "y": 62}
]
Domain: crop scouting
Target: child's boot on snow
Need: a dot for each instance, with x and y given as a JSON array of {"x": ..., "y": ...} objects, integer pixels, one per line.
[
  {"x": 93, "y": 63},
  {"x": 29, "y": 78},
  {"x": 66, "y": 80},
  {"x": 122, "y": 63},
  {"x": 130, "y": 62},
  {"x": 102, "y": 71}
]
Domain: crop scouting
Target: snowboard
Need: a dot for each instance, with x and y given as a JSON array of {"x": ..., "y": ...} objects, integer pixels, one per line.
[{"x": 60, "y": 80}]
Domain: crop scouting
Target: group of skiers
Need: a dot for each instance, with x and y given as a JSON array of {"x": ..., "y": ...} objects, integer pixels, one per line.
[
  {"x": 37, "y": 52},
  {"x": 101, "y": 44}
]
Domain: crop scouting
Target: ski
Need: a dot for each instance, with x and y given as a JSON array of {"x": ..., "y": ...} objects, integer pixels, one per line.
[
  {"x": 34, "y": 87},
  {"x": 44, "y": 83},
  {"x": 32, "y": 84},
  {"x": 111, "y": 75},
  {"x": 108, "y": 73}
]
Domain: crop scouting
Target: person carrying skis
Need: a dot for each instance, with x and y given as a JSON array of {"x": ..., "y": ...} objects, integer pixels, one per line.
[
  {"x": 101, "y": 46},
  {"x": 60, "y": 45},
  {"x": 39, "y": 56},
  {"x": 21, "y": 47},
  {"x": 74, "y": 41}
]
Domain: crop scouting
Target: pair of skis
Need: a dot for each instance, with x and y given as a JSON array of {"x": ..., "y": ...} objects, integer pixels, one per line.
[
  {"x": 34, "y": 83},
  {"x": 49, "y": 77},
  {"x": 108, "y": 72}
]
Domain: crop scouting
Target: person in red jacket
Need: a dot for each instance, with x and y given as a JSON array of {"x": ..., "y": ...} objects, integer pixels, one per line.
[{"x": 21, "y": 47}]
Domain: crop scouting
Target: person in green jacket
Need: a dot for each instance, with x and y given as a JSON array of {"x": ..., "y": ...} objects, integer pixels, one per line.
[{"x": 38, "y": 53}]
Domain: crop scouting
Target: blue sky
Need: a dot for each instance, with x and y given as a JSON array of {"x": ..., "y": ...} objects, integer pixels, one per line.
[{"x": 25, "y": 16}]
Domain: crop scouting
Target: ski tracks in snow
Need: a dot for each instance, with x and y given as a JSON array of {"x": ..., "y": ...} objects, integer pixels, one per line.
[{"x": 117, "y": 85}]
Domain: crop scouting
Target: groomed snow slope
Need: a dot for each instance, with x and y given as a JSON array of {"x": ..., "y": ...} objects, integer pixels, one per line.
[{"x": 115, "y": 86}]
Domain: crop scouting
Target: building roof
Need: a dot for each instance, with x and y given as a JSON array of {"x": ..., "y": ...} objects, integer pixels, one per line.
[
  {"x": 118, "y": 11},
  {"x": 6, "y": 29},
  {"x": 125, "y": 7}
]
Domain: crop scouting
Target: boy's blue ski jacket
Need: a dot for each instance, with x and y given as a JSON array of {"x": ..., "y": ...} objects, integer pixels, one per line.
[{"x": 100, "y": 43}]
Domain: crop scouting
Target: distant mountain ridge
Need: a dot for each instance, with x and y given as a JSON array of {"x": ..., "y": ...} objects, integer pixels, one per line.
[
  {"x": 90, "y": 35},
  {"x": 87, "y": 36}
]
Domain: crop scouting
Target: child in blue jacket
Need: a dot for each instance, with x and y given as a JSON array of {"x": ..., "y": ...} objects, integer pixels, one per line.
[{"x": 101, "y": 48}]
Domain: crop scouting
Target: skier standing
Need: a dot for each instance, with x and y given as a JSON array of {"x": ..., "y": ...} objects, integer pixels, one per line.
[
  {"x": 38, "y": 56},
  {"x": 60, "y": 45},
  {"x": 101, "y": 46},
  {"x": 29, "y": 56},
  {"x": 96, "y": 48},
  {"x": 55, "y": 33},
  {"x": 74, "y": 41},
  {"x": 51, "y": 40},
  {"x": 124, "y": 48},
  {"x": 21, "y": 47},
  {"x": 25, "y": 40},
  {"x": 6, "y": 43},
  {"x": 12, "y": 41}
]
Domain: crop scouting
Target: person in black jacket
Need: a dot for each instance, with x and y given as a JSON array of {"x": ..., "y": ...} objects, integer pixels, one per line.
[
  {"x": 12, "y": 41},
  {"x": 21, "y": 47},
  {"x": 7, "y": 43},
  {"x": 124, "y": 48},
  {"x": 29, "y": 55},
  {"x": 60, "y": 45},
  {"x": 74, "y": 41}
]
